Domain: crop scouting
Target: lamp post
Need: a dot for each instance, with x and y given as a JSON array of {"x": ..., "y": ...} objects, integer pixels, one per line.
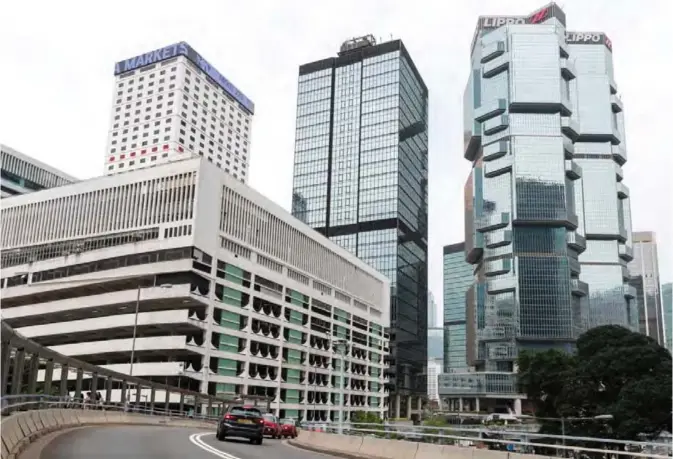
[{"x": 341, "y": 347}]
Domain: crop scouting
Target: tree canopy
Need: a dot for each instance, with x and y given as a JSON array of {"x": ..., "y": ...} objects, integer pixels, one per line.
[{"x": 614, "y": 371}]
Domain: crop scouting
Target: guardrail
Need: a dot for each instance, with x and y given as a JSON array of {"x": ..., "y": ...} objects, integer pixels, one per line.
[
  {"x": 22, "y": 426},
  {"x": 29, "y": 368},
  {"x": 451, "y": 441}
]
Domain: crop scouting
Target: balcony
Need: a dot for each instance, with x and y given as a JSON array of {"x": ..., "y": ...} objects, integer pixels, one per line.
[
  {"x": 622, "y": 190},
  {"x": 570, "y": 127},
  {"x": 568, "y": 148},
  {"x": 616, "y": 102},
  {"x": 579, "y": 288},
  {"x": 495, "y": 150},
  {"x": 498, "y": 166},
  {"x": 619, "y": 154},
  {"x": 568, "y": 69},
  {"x": 573, "y": 171},
  {"x": 501, "y": 285},
  {"x": 576, "y": 241},
  {"x": 495, "y": 66},
  {"x": 497, "y": 267},
  {"x": 619, "y": 172},
  {"x": 625, "y": 252},
  {"x": 498, "y": 238},
  {"x": 491, "y": 51},
  {"x": 492, "y": 221},
  {"x": 629, "y": 291},
  {"x": 495, "y": 125},
  {"x": 490, "y": 109}
]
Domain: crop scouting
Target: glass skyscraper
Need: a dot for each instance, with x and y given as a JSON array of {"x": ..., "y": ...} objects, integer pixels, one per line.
[
  {"x": 360, "y": 178},
  {"x": 458, "y": 278},
  {"x": 644, "y": 272},
  {"x": 667, "y": 301},
  {"x": 547, "y": 215}
]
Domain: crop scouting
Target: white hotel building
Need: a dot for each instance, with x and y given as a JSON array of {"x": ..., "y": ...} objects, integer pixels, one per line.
[
  {"x": 170, "y": 104},
  {"x": 234, "y": 295}
]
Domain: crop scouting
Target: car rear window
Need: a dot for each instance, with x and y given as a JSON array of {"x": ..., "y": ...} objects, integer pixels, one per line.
[
  {"x": 287, "y": 421},
  {"x": 242, "y": 411},
  {"x": 269, "y": 417}
]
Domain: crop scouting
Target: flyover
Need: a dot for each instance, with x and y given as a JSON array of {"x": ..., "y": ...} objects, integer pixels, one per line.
[{"x": 47, "y": 419}]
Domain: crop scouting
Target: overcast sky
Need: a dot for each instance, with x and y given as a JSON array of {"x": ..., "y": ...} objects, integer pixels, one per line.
[{"x": 57, "y": 60}]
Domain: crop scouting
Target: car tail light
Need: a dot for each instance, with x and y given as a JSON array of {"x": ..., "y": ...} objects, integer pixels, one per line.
[
  {"x": 261, "y": 421},
  {"x": 228, "y": 416}
]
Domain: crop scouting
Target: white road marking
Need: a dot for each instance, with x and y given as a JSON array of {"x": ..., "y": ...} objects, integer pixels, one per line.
[{"x": 196, "y": 440}]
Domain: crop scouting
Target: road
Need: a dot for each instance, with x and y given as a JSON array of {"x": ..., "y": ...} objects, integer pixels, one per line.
[{"x": 147, "y": 442}]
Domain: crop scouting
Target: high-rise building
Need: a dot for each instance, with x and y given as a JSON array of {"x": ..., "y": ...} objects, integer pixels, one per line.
[
  {"x": 23, "y": 174},
  {"x": 435, "y": 331},
  {"x": 361, "y": 178},
  {"x": 170, "y": 104},
  {"x": 644, "y": 272},
  {"x": 434, "y": 370},
  {"x": 433, "y": 321},
  {"x": 458, "y": 277},
  {"x": 548, "y": 219},
  {"x": 667, "y": 302},
  {"x": 182, "y": 274}
]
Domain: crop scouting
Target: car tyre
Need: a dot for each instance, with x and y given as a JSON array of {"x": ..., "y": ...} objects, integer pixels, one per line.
[{"x": 220, "y": 435}]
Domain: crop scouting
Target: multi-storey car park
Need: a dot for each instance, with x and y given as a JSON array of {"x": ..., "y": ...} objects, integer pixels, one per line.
[
  {"x": 169, "y": 104},
  {"x": 23, "y": 174},
  {"x": 201, "y": 282}
]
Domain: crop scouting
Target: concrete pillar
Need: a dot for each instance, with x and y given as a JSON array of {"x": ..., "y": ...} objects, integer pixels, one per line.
[
  {"x": 419, "y": 404},
  {"x": 397, "y": 405},
  {"x": 48, "y": 375},
  {"x": 17, "y": 376},
  {"x": 409, "y": 399},
  {"x": 517, "y": 406},
  {"x": 460, "y": 404},
  {"x": 476, "y": 404}
]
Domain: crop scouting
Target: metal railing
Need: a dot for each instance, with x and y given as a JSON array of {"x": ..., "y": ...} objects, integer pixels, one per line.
[
  {"x": 18, "y": 403},
  {"x": 28, "y": 370},
  {"x": 520, "y": 441}
]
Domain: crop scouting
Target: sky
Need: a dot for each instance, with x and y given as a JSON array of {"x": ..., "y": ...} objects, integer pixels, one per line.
[{"x": 57, "y": 83}]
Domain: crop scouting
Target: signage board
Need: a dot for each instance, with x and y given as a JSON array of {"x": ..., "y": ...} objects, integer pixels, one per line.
[{"x": 183, "y": 49}]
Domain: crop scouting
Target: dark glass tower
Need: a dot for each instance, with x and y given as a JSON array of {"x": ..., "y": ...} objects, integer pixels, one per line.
[{"x": 361, "y": 177}]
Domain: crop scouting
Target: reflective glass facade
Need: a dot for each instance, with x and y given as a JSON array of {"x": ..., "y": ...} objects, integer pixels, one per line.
[
  {"x": 458, "y": 278},
  {"x": 667, "y": 300},
  {"x": 644, "y": 278},
  {"x": 548, "y": 225},
  {"x": 360, "y": 178}
]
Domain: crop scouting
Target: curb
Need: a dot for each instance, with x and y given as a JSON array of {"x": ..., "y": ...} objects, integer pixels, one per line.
[{"x": 315, "y": 449}]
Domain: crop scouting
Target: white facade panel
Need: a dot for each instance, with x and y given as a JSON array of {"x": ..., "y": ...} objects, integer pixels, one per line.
[{"x": 245, "y": 298}]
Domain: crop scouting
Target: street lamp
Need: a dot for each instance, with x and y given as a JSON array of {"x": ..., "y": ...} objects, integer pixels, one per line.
[{"x": 341, "y": 349}]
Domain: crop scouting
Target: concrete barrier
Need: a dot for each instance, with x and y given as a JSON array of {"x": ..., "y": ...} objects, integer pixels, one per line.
[
  {"x": 20, "y": 429},
  {"x": 356, "y": 447}
]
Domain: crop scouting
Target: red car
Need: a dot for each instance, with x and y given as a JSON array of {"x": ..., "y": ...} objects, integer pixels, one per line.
[
  {"x": 271, "y": 426},
  {"x": 288, "y": 428}
]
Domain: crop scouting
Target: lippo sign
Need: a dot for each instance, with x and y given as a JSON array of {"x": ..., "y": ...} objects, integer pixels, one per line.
[
  {"x": 541, "y": 15},
  {"x": 588, "y": 38}
]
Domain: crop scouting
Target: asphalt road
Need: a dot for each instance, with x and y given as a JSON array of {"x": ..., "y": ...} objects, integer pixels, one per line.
[{"x": 147, "y": 442}]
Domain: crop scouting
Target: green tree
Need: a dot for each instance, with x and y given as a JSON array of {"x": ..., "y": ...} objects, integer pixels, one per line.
[{"x": 613, "y": 371}]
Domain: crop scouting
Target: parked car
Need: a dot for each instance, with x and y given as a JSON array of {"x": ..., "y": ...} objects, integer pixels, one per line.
[
  {"x": 288, "y": 428},
  {"x": 242, "y": 422},
  {"x": 271, "y": 426}
]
